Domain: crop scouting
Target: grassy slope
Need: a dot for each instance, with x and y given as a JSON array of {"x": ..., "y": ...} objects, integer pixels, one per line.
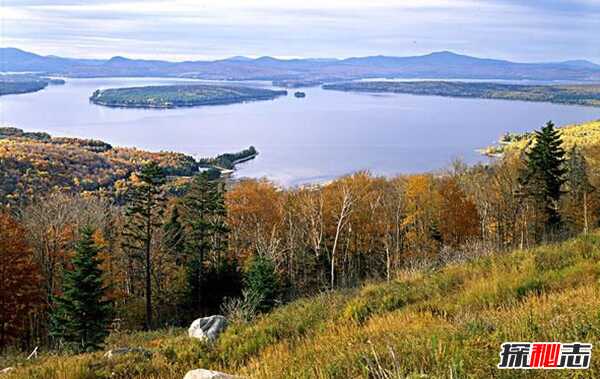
[
  {"x": 585, "y": 135},
  {"x": 445, "y": 323}
]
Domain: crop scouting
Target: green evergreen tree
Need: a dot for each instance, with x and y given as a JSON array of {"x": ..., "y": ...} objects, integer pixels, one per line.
[
  {"x": 81, "y": 315},
  {"x": 206, "y": 231},
  {"x": 144, "y": 215},
  {"x": 544, "y": 173},
  {"x": 262, "y": 283},
  {"x": 578, "y": 183},
  {"x": 174, "y": 236}
]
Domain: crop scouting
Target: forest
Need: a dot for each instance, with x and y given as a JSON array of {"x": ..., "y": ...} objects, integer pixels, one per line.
[
  {"x": 34, "y": 163},
  {"x": 173, "y": 96},
  {"x": 580, "y": 94},
  {"x": 160, "y": 258},
  {"x": 23, "y": 83}
]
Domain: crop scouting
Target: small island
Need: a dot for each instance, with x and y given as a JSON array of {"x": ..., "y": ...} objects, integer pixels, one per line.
[
  {"x": 299, "y": 94},
  {"x": 173, "y": 96},
  {"x": 573, "y": 94},
  {"x": 14, "y": 84}
]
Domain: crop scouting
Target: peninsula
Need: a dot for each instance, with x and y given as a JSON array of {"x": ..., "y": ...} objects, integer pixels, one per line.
[
  {"x": 580, "y": 94},
  {"x": 14, "y": 84}
]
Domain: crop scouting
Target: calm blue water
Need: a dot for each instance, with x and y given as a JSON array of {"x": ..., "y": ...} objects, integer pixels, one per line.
[{"x": 322, "y": 136}]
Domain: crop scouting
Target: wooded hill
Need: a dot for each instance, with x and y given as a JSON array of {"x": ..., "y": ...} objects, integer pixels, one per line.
[
  {"x": 35, "y": 163},
  {"x": 588, "y": 95},
  {"x": 17, "y": 84}
]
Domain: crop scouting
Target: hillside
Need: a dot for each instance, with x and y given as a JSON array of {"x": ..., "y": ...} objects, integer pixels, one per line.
[
  {"x": 442, "y": 64},
  {"x": 585, "y": 136},
  {"x": 18, "y": 84},
  {"x": 588, "y": 95},
  {"x": 445, "y": 322},
  {"x": 34, "y": 163}
]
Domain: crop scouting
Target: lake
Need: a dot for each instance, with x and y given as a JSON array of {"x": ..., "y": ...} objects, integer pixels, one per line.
[{"x": 301, "y": 140}]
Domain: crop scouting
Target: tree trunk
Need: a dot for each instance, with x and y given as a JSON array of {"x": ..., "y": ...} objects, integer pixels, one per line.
[
  {"x": 148, "y": 276},
  {"x": 585, "y": 214}
]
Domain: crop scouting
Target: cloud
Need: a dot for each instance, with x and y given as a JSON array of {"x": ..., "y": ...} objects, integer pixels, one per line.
[{"x": 199, "y": 29}]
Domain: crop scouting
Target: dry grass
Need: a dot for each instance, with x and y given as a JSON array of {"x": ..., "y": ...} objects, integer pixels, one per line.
[{"x": 436, "y": 324}]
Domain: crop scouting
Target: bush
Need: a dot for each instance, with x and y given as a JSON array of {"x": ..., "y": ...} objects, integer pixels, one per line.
[{"x": 262, "y": 283}]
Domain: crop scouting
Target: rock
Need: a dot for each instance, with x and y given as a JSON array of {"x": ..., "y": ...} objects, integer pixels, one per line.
[
  {"x": 9, "y": 369},
  {"x": 207, "y": 374},
  {"x": 207, "y": 327},
  {"x": 127, "y": 350}
]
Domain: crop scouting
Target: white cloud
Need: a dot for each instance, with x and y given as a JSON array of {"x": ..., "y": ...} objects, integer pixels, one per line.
[{"x": 195, "y": 29}]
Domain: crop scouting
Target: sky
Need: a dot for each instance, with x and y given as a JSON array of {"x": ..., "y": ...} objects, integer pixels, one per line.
[{"x": 518, "y": 30}]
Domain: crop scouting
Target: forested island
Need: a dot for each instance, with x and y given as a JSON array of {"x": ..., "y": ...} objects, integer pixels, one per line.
[
  {"x": 24, "y": 83},
  {"x": 580, "y": 94},
  {"x": 173, "y": 96}
]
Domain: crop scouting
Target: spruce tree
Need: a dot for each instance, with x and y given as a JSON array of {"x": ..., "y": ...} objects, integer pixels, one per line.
[
  {"x": 204, "y": 212},
  {"x": 544, "y": 174},
  {"x": 81, "y": 315},
  {"x": 144, "y": 215},
  {"x": 261, "y": 282},
  {"x": 174, "y": 236}
]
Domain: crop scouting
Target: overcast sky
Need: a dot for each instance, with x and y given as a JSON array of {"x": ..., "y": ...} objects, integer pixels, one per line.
[{"x": 520, "y": 30}]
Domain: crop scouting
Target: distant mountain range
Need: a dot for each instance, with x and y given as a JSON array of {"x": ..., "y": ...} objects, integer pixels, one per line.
[{"x": 442, "y": 64}]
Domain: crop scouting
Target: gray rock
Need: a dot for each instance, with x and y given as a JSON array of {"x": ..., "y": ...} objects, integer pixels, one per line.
[
  {"x": 207, "y": 374},
  {"x": 127, "y": 350},
  {"x": 207, "y": 328}
]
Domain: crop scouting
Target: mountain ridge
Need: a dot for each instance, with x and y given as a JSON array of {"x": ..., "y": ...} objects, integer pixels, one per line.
[{"x": 438, "y": 64}]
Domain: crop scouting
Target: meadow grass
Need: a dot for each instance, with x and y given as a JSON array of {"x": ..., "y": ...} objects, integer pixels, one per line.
[{"x": 445, "y": 323}]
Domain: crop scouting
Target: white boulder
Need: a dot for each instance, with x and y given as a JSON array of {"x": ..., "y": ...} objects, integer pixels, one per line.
[
  {"x": 207, "y": 328},
  {"x": 7, "y": 370},
  {"x": 207, "y": 374}
]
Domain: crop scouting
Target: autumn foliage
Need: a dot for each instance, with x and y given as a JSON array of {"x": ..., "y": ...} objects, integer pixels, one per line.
[{"x": 19, "y": 281}]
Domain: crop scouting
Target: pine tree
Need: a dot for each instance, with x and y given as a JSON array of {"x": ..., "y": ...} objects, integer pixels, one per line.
[
  {"x": 261, "y": 282},
  {"x": 204, "y": 211},
  {"x": 81, "y": 315},
  {"x": 579, "y": 186},
  {"x": 544, "y": 174},
  {"x": 144, "y": 213},
  {"x": 174, "y": 236}
]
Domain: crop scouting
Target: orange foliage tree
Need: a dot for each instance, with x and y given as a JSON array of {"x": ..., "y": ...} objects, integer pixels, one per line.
[
  {"x": 460, "y": 219},
  {"x": 19, "y": 281}
]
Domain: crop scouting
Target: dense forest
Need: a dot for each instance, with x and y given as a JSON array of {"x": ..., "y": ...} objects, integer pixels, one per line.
[
  {"x": 180, "y": 96},
  {"x": 562, "y": 94},
  {"x": 23, "y": 83},
  {"x": 35, "y": 163}
]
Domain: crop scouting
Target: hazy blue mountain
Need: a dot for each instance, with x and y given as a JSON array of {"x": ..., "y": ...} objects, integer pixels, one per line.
[
  {"x": 581, "y": 63},
  {"x": 443, "y": 64}
]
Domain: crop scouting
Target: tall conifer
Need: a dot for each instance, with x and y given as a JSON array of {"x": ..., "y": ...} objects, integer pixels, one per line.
[
  {"x": 81, "y": 314},
  {"x": 544, "y": 173}
]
